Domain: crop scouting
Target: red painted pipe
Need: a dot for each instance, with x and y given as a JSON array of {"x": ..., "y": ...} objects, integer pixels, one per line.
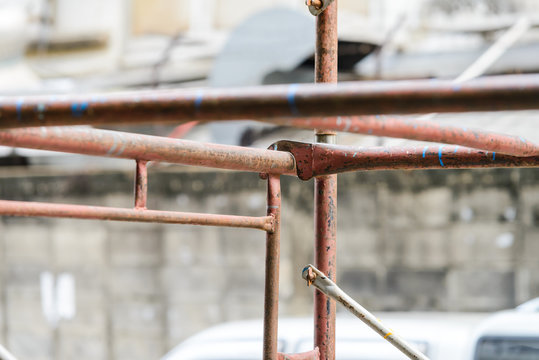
[
  {"x": 150, "y": 148},
  {"x": 22, "y": 208},
  {"x": 508, "y": 92},
  {"x": 141, "y": 184},
  {"x": 271, "y": 283},
  {"x": 320, "y": 159},
  {"x": 422, "y": 131},
  {"x": 325, "y": 189}
]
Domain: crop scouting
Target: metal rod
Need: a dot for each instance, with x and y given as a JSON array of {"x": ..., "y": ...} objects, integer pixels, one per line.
[
  {"x": 141, "y": 185},
  {"x": 325, "y": 189},
  {"x": 420, "y": 130},
  {"x": 88, "y": 141},
  {"x": 509, "y": 92},
  {"x": 323, "y": 159},
  {"x": 323, "y": 283},
  {"x": 6, "y": 355},
  {"x": 271, "y": 284},
  {"x": 22, "y": 208}
]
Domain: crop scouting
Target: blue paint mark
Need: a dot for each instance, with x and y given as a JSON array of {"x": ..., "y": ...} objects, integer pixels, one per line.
[
  {"x": 493, "y": 156},
  {"x": 355, "y": 154},
  {"x": 198, "y": 100},
  {"x": 464, "y": 129},
  {"x": 425, "y": 151},
  {"x": 19, "y": 109},
  {"x": 292, "y": 99},
  {"x": 440, "y": 155},
  {"x": 522, "y": 139},
  {"x": 456, "y": 87},
  {"x": 456, "y": 148},
  {"x": 77, "y": 110}
]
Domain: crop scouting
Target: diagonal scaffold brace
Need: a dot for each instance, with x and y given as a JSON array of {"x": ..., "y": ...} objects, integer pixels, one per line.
[{"x": 315, "y": 277}]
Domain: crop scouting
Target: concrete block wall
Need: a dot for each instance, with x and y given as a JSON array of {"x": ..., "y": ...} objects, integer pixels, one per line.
[{"x": 425, "y": 240}]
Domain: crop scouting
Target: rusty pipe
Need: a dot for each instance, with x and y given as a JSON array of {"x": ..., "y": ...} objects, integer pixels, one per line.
[
  {"x": 508, "y": 92},
  {"x": 271, "y": 283},
  {"x": 87, "y": 141},
  {"x": 23, "y": 208},
  {"x": 420, "y": 130},
  {"x": 322, "y": 159}
]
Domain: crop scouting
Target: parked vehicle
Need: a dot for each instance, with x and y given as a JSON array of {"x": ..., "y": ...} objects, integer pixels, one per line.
[
  {"x": 509, "y": 335},
  {"x": 441, "y": 336}
]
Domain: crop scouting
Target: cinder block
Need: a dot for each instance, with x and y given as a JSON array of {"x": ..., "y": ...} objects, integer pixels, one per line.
[
  {"x": 360, "y": 247},
  {"x": 24, "y": 311},
  {"x": 27, "y": 244},
  {"x": 490, "y": 205},
  {"x": 129, "y": 282},
  {"x": 416, "y": 249},
  {"x": 243, "y": 247},
  {"x": 428, "y": 208},
  {"x": 30, "y": 345},
  {"x": 136, "y": 317},
  {"x": 135, "y": 245},
  {"x": 482, "y": 289},
  {"x": 358, "y": 207},
  {"x": 138, "y": 347},
  {"x": 530, "y": 205},
  {"x": 192, "y": 245},
  {"x": 71, "y": 347},
  {"x": 491, "y": 245},
  {"x": 77, "y": 244},
  {"x": 185, "y": 283},
  {"x": 415, "y": 290}
]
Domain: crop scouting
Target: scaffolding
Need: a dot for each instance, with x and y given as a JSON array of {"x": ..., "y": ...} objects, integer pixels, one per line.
[{"x": 34, "y": 122}]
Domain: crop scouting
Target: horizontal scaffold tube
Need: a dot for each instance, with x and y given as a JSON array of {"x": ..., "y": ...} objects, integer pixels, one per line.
[
  {"x": 323, "y": 159},
  {"x": 509, "y": 92},
  {"x": 87, "y": 141},
  {"x": 420, "y": 130},
  {"x": 23, "y": 208}
]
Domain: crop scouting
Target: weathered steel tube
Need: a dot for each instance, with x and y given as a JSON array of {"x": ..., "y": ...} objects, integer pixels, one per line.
[
  {"x": 271, "y": 284},
  {"x": 422, "y": 131},
  {"x": 323, "y": 283},
  {"x": 141, "y": 184},
  {"x": 321, "y": 159},
  {"x": 22, "y": 208},
  {"x": 509, "y": 92},
  {"x": 87, "y": 141},
  {"x": 325, "y": 188}
]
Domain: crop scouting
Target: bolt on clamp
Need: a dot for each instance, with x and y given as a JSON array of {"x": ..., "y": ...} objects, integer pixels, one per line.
[{"x": 316, "y": 7}]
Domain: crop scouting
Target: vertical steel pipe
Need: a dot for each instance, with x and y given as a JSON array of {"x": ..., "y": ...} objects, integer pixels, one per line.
[
  {"x": 271, "y": 285},
  {"x": 141, "y": 184},
  {"x": 325, "y": 190}
]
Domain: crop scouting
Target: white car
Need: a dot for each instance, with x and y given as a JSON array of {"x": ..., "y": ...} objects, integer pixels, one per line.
[
  {"x": 509, "y": 335},
  {"x": 441, "y": 336}
]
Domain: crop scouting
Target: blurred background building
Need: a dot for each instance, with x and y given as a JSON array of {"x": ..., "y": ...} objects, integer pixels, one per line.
[{"x": 422, "y": 240}]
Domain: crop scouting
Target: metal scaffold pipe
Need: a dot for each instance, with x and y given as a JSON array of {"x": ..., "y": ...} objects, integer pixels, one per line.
[
  {"x": 508, "y": 92},
  {"x": 315, "y": 277}
]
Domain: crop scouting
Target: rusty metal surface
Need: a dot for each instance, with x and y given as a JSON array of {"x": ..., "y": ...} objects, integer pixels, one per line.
[
  {"x": 150, "y": 148},
  {"x": 310, "y": 355},
  {"x": 422, "y": 131},
  {"x": 322, "y": 159},
  {"x": 271, "y": 284},
  {"x": 509, "y": 92},
  {"x": 325, "y": 188},
  {"x": 22, "y": 208},
  {"x": 141, "y": 184}
]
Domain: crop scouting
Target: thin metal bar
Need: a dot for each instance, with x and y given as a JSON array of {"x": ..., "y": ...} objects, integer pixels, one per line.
[
  {"x": 87, "y": 141},
  {"x": 271, "y": 285},
  {"x": 420, "y": 130},
  {"x": 325, "y": 189},
  {"x": 22, "y": 208},
  {"x": 508, "y": 92},
  {"x": 141, "y": 185},
  {"x": 323, "y": 159},
  {"x": 328, "y": 287}
]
